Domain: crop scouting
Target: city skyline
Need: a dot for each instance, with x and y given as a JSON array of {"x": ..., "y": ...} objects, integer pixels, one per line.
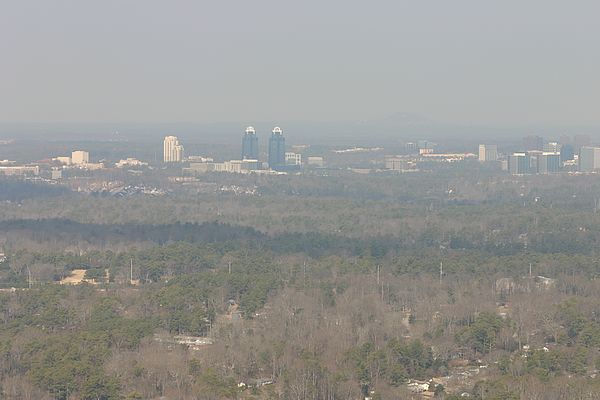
[
  {"x": 310, "y": 200},
  {"x": 534, "y": 155}
]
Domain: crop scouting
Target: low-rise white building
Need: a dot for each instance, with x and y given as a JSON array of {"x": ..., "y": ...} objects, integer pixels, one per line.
[
  {"x": 92, "y": 166},
  {"x": 79, "y": 157},
  {"x": 233, "y": 166},
  {"x": 20, "y": 170},
  {"x": 315, "y": 161},
  {"x": 131, "y": 162},
  {"x": 62, "y": 160},
  {"x": 293, "y": 158}
]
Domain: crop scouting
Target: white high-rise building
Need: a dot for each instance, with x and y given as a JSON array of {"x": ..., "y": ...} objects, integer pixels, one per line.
[
  {"x": 173, "y": 151},
  {"x": 488, "y": 152},
  {"x": 80, "y": 157}
]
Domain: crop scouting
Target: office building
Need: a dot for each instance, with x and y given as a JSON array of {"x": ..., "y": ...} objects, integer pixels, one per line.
[
  {"x": 315, "y": 161},
  {"x": 131, "y": 162},
  {"x": 277, "y": 149},
  {"x": 63, "y": 160},
  {"x": 488, "y": 152},
  {"x": 23, "y": 170},
  {"x": 411, "y": 148},
  {"x": 80, "y": 157},
  {"x": 250, "y": 144},
  {"x": 548, "y": 163},
  {"x": 233, "y": 166},
  {"x": 518, "y": 164},
  {"x": 92, "y": 166},
  {"x": 396, "y": 163},
  {"x": 200, "y": 159},
  {"x": 173, "y": 151},
  {"x": 533, "y": 158},
  {"x": 589, "y": 159},
  {"x": 542, "y": 162},
  {"x": 567, "y": 152},
  {"x": 552, "y": 147},
  {"x": 482, "y": 152},
  {"x": 293, "y": 158}
]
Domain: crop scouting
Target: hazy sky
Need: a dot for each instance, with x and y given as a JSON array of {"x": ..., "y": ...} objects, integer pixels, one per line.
[{"x": 461, "y": 61}]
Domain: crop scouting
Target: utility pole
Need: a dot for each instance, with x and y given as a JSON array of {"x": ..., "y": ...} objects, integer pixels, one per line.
[
  {"x": 28, "y": 277},
  {"x": 229, "y": 267},
  {"x": 441, "y": 271},
  {"x": 131, "y": 271},
  {"x": 530, "y": 270},
  {"x": 305, "y": 274},
  {"x": 379, "y": 282}
]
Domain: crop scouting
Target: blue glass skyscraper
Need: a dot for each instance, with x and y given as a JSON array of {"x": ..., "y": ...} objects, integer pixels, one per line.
[
  {"x": 250, "y": 144},
  {"x": 277, "y": 149}
]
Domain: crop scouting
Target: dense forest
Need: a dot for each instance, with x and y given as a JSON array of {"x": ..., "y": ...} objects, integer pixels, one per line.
[{"x": 392, "y": 286}]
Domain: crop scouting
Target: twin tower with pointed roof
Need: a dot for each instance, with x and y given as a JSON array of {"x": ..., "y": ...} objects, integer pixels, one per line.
[{"x": 276, "y": 147}]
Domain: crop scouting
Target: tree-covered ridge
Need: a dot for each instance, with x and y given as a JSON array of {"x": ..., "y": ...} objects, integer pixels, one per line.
[
  {"x": 306, "y": 291},
  {"x": 301, "y": 317}
]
